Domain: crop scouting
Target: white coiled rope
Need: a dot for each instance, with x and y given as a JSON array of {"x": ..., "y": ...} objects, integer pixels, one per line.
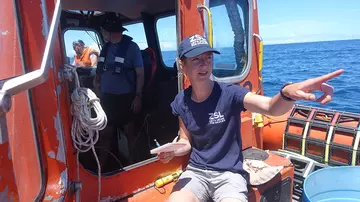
[{"x": 85, "y": 128}]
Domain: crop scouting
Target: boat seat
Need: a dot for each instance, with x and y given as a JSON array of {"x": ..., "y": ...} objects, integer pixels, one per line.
[{"x": 149, "y": 61}]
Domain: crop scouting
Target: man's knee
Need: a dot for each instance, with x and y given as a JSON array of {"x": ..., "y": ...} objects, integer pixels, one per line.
[{"x": 183, "y": 195}]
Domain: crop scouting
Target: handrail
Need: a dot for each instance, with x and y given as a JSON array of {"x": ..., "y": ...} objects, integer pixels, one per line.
[
  {"x": 260, "y": 62},
  {"x": 32, "y": 79},
  {"x": 210, "y": 29},
  {"x": 261, "y": 44}
]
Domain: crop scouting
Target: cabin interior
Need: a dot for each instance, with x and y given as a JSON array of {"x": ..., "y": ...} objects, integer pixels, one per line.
[{"x": 153, "y": 26}]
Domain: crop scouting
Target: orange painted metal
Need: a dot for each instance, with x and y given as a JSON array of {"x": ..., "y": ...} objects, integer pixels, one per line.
[
  {"x": 19, "y": 168},
  {"x": 130, "y": 184},
  {"x": 51, "y": 112},
  {"x": 252, "y": 136},
  {"x": 274, "y": 127}
]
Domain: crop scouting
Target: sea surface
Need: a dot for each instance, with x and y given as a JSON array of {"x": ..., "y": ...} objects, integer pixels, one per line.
[
  {"x": 297, "y": 62},
  {"x": 300, "y": 61}
]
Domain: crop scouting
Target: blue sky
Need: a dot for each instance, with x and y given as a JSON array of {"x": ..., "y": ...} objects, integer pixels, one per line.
[
  {"x": 286, "y": 21},
  {"x": 281, "y": 21}
]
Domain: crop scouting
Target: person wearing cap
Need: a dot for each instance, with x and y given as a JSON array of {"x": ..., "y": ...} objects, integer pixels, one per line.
[
  {"x": 120, "y": 79},
  {"x": 84, "y": 55},
  {"x": 209, "y": 119}
]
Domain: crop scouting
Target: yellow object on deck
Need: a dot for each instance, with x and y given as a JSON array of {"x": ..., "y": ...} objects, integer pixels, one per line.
[
  {"x": 258, "y": 120},
  {"x": 167, "y": 179}
]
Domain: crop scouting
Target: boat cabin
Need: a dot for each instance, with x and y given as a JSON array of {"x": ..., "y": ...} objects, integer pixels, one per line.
[{"x": 154, "y": 28}]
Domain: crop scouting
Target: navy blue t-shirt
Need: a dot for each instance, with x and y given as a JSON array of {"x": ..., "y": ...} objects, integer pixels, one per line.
[
  {"x": 119, "y": 84},
  {"x": 214, "y": 125}
]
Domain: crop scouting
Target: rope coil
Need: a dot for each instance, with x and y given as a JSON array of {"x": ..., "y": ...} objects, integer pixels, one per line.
[{"x": 85, "y": 128}]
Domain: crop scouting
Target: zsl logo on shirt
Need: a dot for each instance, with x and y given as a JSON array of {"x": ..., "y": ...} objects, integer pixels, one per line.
[{"x": 216, "y": 118}]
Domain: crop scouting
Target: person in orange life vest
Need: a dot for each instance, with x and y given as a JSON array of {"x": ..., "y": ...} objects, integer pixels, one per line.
[
  {"x": 85, "y": 56},
  {"x": 209, "y": 118},
  {"x": 120, "y": 78}
]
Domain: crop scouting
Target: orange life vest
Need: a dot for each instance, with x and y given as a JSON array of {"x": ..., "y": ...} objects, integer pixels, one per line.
[{"x": 84, "y": 59}]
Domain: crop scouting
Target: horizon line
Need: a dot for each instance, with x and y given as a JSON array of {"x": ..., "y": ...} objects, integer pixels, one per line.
[{"x": 270, "y": 44}]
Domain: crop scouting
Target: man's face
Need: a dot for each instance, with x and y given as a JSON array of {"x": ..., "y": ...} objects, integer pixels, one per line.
[
  {"x": 79, "y": 49},
  {"x": 105, "y": 34}
]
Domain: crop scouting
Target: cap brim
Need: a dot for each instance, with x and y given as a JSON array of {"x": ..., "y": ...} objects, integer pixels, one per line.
[
  {"x": 114, "y": 29},
  {"x": 200, "y": 50}
]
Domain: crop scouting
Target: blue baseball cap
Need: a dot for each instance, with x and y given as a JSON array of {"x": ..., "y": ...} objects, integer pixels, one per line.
[{"x": 194, "y": 45}]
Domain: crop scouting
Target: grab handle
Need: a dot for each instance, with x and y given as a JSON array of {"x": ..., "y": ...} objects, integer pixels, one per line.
[
  {"x": 209, "y": 23},
  {"x": 32, "y": 79},
  {"x": 261, "y": 44}
]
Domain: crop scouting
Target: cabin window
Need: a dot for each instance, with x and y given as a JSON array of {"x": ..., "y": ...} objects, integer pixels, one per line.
[
  {"x": 166, "y": 31},
  {"x": 137, "y": 32},
  {"x": 230, "y": 37},
  {"x": 89, "y": 37}
]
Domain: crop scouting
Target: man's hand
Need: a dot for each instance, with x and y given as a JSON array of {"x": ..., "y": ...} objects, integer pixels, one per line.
[
  {"x": 136, "y": 105},
  {"x": 303, "y": 90}
]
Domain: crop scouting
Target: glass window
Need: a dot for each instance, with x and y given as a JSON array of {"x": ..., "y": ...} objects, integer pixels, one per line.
[
  {"x": 230, "y": 32},
  {"x": 137, "y": 32},
  {"x": 166, "y": 31},
  {"x": 89, "y": 37}
]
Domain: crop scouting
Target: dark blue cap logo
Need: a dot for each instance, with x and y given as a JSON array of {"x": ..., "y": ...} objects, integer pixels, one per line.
[{"x": 194, "y": 45}]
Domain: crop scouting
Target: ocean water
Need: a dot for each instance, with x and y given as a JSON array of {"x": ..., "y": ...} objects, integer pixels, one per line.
[
  {"x": 300, "y": 61},
  {"x": 297, "y": 62}
]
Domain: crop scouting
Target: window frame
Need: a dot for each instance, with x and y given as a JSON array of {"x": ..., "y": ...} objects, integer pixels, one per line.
[
  {"x": 249, "y": 42},
  {"x": 78, "y": 29},
  {"x": 158, "y": 39}
]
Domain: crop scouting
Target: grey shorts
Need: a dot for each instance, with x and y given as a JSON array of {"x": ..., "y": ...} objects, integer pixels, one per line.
[{"x": 208, "y": 184}]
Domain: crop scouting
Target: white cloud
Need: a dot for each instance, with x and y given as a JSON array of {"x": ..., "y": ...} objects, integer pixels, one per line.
[
  {"x": 142, "y": 45},
  {"x": 165, "y": 46}
]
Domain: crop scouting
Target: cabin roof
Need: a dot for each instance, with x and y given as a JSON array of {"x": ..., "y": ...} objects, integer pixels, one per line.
[{"x": 130, "y": 9}]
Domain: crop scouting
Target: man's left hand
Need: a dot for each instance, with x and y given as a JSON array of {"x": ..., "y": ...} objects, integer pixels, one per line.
[
  {"x": 303, "y": 90},
  {"x": 136, "y": 105}
]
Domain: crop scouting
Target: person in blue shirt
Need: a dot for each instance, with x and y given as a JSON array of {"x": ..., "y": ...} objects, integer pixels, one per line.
[
  {"x": 120, "y": 79},
  {"x": 209, "y": 119}
]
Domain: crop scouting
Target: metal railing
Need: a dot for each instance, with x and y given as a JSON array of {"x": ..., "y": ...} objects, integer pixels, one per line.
[{"x": 32, "y": 79}]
